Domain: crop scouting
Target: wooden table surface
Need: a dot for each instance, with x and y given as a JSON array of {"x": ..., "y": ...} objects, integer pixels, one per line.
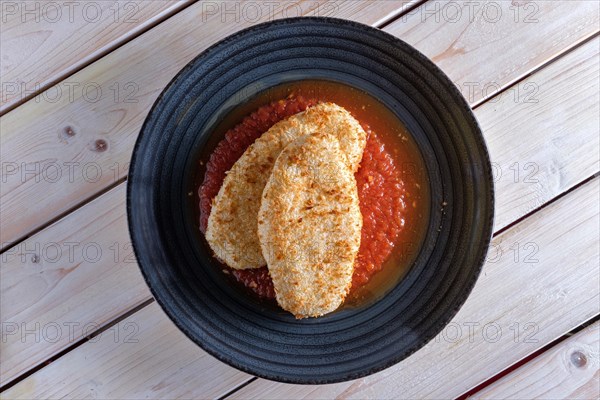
[{"x": 78, "y": 79}]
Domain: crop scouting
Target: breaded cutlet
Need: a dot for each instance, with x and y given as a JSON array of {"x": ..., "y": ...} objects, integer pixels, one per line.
[
  {"x": 309, "y": 225},
  {"x": 232, "y": 224}
]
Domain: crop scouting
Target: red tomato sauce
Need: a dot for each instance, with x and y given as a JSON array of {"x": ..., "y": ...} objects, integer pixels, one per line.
[
  {"x": 227, "y": 152},
  {"x": 380, "y": 190},
  {"x": 383, "y": 188}
]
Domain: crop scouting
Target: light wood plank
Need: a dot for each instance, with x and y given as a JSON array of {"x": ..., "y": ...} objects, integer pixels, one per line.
[
  {"x": 144, "y": 356},
  {"x": 546, "y": 300},
  {"x": 569, "y": 370},
  {"x": 487, "y": 45},
  {"x": 43, "y": 42},
  {"x": 565, "y": 113},
  {"x": 74, "y": 146},
  {"x": 40, "y": 134},
  {"x": 569, "y": 99},
  {"x": 73, "y": 290},
  {"x": 535, "y": 299},
  {"x": 566, "y": 100},
  {"x": 66, "y": 282},
  {"x": 592, "y": 120}
]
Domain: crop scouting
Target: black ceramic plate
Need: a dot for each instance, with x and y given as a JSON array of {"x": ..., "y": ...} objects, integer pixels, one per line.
[{"x": 240, "y": 330}]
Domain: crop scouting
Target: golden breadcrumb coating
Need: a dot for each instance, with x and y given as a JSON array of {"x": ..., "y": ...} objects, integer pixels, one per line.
[
  {"x": 309, "y": 225},
  {"x": 232, "y": 224}
]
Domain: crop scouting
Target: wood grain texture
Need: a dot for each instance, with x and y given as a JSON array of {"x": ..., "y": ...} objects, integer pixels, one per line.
[
  {"x": 143, "y": 357},
  {"x": 66, "y": 282},
  {"x": 519, "y": 304},
  {"x": 43, "y": 42},
  {"x": 72, "y": 146},
  {"x": 565, "y": 113},
  {"x": 518, "y": 138},
  {"x": 486, "y": 45},
  {"x": 541, "y": 301},
  {"x": 110, "y": 174},
  {"x": 70, "y": 290},
  {"x": 569, "y": 370},
  {"x": 98, "y": 135}
]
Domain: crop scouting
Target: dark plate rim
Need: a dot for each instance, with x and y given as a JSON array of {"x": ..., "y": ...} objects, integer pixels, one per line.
[{"x": 489, "y": 200}]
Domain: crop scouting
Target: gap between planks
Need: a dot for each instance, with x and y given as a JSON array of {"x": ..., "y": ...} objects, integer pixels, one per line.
[
  {"x": 521, "y": 79},
  {"x": 403, "y": 7},
  {"x": 486, "y": 383},
  {"x": 583, "y": 26},
  {"x": 560, "y": 196},
  {"x": 557, "y": 197},
  {"x": 540, "y": 351},
  {"x": 386, "y": 22},
  {"x": 72, "y": 69},
  {"x": 569, "y": 370},
  {"x": 530, "y": 358},
  {"x": 113, "y": 361},
  {"x": 78, "y": 343},
  {"x": 557, "y": 57},
  {"x": 406, "y": 7},
  {"x": 437, "y": 370}
]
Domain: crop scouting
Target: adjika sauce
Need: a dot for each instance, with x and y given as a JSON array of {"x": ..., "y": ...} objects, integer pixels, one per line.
[{"x": 392, "y": 182}]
